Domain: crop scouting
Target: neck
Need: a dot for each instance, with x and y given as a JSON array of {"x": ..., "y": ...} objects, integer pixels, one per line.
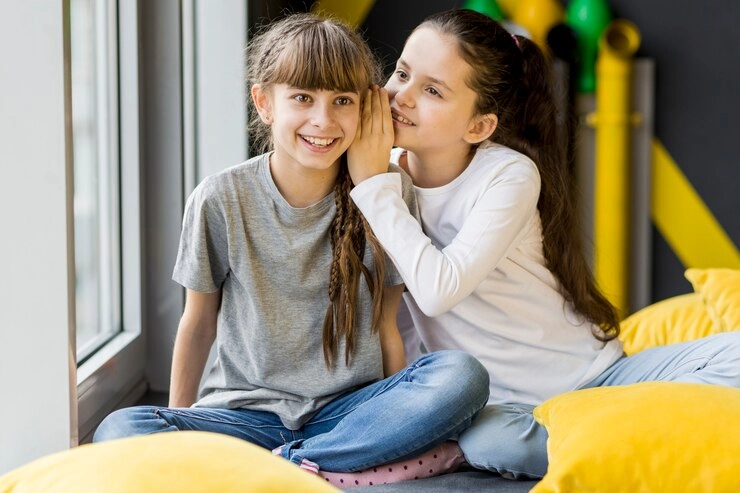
[
  {"x": 435, "y": 169},
  {"x": 302, "y": 187}
]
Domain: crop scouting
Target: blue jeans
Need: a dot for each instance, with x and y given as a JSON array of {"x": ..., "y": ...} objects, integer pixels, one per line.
[
  {"x": 429, "y": 401},
  {"x": 507, "y": 439}
]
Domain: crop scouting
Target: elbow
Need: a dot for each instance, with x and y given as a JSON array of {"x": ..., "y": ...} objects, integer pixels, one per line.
[
  {"x": 437, "y": 301},
  {"x": 434, "y": 306}
]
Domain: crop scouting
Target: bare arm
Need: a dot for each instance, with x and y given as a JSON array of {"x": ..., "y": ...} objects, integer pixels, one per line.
[
  {"x": 195, "y": 336},
  {"x": 394, "y": 358}
]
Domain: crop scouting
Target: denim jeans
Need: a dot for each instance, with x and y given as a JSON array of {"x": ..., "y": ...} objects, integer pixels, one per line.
[
  {"x": 507, "y": 439},
  {"x": 431, "y": 400}
]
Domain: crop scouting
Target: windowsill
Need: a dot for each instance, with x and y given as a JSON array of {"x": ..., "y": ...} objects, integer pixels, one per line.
[
  {"x": 110, "y": 379},
  {"x": 103, "y": 356}
]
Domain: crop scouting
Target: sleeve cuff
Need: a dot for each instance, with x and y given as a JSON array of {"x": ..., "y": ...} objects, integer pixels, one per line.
[{"x": 368, "y": 189}]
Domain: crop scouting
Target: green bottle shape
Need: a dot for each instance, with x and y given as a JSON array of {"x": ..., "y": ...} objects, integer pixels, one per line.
[
  {"x": 488, "y": 7},
  {"x": 588, "y": 19}
]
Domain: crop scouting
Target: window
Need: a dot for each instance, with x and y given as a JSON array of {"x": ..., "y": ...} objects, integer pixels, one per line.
[
  {"x": 104, "y": 52},
  {"x": 95, "y": 129}
]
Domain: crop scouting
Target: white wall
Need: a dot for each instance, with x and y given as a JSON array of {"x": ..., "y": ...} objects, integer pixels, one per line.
[
  {"x": 221, "y": 95},
  {"x": 36, "y": 270},
  {"x": 38, "y": 400}
]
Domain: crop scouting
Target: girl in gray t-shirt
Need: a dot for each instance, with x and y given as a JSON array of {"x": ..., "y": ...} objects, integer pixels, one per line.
[{"x": 284, "y": 274}]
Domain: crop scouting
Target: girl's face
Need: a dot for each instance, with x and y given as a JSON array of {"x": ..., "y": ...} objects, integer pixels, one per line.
[
  {"x": 433, "y": 108},
  {"x": 310, "y": 128}
]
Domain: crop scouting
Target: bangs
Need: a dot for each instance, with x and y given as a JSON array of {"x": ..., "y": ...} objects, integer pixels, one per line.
[{"x": 323, "y": 58}]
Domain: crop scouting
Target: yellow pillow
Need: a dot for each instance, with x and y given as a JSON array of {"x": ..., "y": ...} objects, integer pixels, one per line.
[
  {"x": 678, "y": 319},
  {"x": 720, "y": 289},
  {"x": 651, "y": 437},
  {"x": 182, "y": 462}
]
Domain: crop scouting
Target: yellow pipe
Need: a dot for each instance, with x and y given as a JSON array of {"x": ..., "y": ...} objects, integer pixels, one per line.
[
  {"x": 354, "y": 12},
  {"x": 684, "y": 220},
  {"x": 613, "y": 121},
  {"x": 507, "y": 6},
  {"x": 538, "y": 17}
]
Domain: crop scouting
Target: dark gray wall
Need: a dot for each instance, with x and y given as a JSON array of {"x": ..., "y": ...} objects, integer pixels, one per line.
[{"x": 696, "y": 48}]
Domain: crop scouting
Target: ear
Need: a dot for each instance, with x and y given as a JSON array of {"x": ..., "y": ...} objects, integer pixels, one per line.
[
  {"x": 262, "y": 103},
  {"x": 481, "y": 127}
]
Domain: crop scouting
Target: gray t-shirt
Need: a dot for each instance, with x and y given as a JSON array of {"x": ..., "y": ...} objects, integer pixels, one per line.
[{"x": 272, "y": 262}]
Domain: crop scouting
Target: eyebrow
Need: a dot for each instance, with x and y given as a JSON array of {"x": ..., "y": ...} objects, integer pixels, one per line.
[
  {"x": 432, "y": 79},
  {"x": 335, "y": 91}
]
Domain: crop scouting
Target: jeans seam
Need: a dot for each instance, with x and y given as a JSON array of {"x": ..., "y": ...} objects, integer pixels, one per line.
[
  {"x": 447, "y": 430},
  {"x": 488, "y": 467},
  {"x": 704, "y": 359},
  {"x": 400, "y": 376},
  {"x": 211, "y": 419}
]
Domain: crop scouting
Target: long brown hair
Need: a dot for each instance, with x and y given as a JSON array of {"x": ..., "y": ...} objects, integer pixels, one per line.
[
  {"x": 513, "y": 79},
  {"x": 310, "y": 52}
]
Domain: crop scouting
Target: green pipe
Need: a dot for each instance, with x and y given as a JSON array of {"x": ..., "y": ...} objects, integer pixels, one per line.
[
  {"x": 488, "y": 7},
  {"x": 588, "y": 19}
]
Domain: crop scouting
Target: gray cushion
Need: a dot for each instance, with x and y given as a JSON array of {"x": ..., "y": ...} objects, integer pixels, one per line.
[{"x": 458, "y": 482}]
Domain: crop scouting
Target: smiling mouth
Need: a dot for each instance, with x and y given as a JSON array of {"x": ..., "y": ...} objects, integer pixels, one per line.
[
  {"x": 318, "y": 141},
  {"x": 401, "y": 119}
]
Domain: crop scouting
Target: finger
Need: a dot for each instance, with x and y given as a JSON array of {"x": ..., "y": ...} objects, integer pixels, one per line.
[
  {"x": 358, "y": 134},
  {"x": 385, "y": 109},
  {"x": 377, "y": 110},
  {"x": 367, "y": 112}
]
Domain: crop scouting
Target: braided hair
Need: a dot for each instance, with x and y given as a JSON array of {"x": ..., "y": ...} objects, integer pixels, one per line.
[{"x": 311, "y": 52}]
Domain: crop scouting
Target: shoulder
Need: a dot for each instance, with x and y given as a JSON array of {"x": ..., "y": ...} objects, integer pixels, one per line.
[
  {"x": 396, "y": 154},
  {"x": 395, "y": 168},
  {"x": 227, "y": 185},
  {"x": 407, "y": 185},
  {"x": 501, "y": 160},
  {"x": 234, "y": 175}
]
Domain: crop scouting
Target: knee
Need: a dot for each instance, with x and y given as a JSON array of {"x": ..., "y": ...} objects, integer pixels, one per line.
[
  {"x": 511, "y": 457},
  {"x": 518, "y": 462},
  {"x": 462, "y": 374},
  {"x": 118, "y": 424}
]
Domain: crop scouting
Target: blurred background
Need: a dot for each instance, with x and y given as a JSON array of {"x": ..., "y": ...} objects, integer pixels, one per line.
[{"x": 111, "y": 111}]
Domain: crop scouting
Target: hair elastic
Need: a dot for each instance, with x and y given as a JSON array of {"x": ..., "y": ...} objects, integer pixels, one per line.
[{"x": 516, "y": 40}]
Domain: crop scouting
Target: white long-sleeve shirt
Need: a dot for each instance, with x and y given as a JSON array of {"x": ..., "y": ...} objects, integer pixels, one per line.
[{"x": 477, "y": 278}]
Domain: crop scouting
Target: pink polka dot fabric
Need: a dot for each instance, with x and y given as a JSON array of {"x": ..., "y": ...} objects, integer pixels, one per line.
[{"x": 442, "y": 459}]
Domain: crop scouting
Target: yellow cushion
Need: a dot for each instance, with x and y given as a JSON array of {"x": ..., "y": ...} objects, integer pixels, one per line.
[
  {"x": 652, "y": 437},
  {"x": 183, "y": 462},
  {"x": 720, "y": 289},
  {"x": 678, "y": 319}
]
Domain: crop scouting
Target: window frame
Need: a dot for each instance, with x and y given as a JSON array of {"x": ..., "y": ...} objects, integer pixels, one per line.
[
  {"x": 113, "y": 376},
  {"x": 105, "y": 196}
]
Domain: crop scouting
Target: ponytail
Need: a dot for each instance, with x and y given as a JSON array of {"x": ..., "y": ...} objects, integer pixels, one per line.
[
  {"x": 537, "y": 135},
  {"x": 513, "y": 79}
]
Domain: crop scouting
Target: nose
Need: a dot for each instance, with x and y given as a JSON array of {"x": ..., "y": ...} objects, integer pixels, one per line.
[
  {"x": 402, "y": 95},
  {"x": 321, "y": 115}
]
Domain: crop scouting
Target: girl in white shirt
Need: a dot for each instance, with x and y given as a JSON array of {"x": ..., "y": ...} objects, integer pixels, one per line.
[{"x": 496, "y": 267}]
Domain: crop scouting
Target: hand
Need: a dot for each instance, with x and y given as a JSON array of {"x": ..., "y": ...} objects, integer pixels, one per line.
[{"x": 369, "y": 153}]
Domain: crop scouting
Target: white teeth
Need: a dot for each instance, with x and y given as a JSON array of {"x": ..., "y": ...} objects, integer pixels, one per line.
[
  {"x": 401, "y": 119},
  {"x": 319, "y": 142}
]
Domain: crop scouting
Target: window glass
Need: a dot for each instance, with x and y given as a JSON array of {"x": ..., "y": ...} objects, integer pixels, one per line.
[{"x": 94, "y": 62}]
